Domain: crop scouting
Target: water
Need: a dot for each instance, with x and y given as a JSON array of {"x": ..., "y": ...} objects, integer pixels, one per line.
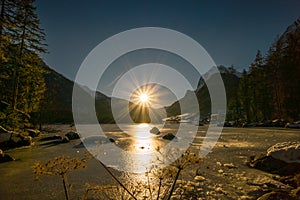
[{"x": 136, "y": 149}]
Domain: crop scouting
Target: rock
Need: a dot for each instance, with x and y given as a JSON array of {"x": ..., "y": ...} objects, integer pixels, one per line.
[
  {"x": 92, "y": 140},
  {"x": 229, "y": 165},
  {"x": 245, "y": 197},
  {"x": 17, "y": 140},
  {"x": 14, "y": 142},
  {"x": 199, "y": 178},
  {"x": 219, "y": 189},
  {"x": 54, "y": 137},
  {"x": 80, "y": 145},
  {"x": 169, "y": 136},
  {"x": 72, "y": 135},
  {"x": 8, "y": 158},
  {"x": 266, "y": 163},
  {"x": 276, "y": 195},
  {"x": 273, "y": 165},
  {"x": 155, "y": 131},
  {"x": 33, "y": 132},
  {"x": 65, "y": 139},
  {"x": 281, "y": 158},
  {"x": 5, "y": 157},
  {"x": 112, "y": 140},
  {"x": 26, "y": 141},
  {"x": 288, "y": 152}
]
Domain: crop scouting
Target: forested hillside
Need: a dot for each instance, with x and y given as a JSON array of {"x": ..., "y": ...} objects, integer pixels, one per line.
[{"x": 270, "y": 88}]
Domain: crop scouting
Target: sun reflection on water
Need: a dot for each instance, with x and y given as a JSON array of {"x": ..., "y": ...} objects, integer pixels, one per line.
[
  {"x": 143, "y": 140},
  {"x": 143, "y": 145}
]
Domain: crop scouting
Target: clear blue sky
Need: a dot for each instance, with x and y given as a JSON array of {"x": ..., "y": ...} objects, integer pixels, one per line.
[{"x": 231, "y": 31}]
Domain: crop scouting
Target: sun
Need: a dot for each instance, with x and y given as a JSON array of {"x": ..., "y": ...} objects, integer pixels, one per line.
[{"x": 144, "y": 97}]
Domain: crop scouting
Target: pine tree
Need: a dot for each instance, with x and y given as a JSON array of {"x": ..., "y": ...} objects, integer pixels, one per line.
[
  {"x": 254, "y": 85},
  {"x": 291, "y": 74},
  {"x": 283, "y": 67},
  {"x": 24, "y": 40},
  {"x": 28, "y": 37},
  {"x": 261, "y": 101},
  {"x": 7, "y": 7},
  {"x": 275, "y": 78},
  {"x": 244, "y": 95},
  {"x": 6, "y": 24}
]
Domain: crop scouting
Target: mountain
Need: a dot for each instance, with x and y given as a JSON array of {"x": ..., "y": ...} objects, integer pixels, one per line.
[
  {"x": 223, "y": 71},
  {"x": 231, "y": 82},
  {"x": 57, "y": 104}
]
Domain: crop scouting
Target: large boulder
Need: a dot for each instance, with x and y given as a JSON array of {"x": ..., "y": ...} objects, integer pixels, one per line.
[
  {"x": 72, "y": 135},
  {"x": 288, "y": 152},
  {"x": 155, "y": 131},
  {"x": 266, "y": 163},
  {"x": 281, "y": 158}
]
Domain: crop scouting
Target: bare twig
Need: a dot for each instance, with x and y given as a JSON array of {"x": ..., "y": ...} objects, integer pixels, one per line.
[
  {"x": 117, "y": 180},
  {"x": 159, "y": 187},
  {"x": 174, "y": 183}
]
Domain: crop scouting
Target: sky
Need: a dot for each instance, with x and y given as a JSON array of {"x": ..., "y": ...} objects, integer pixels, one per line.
[{"x": 231, "y": 31}]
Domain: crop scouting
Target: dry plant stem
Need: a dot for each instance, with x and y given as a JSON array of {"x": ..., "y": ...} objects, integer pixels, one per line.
[
  {"x": 174, "y": 183},
  {"x": 159, "y": 186},
  {"x": 119, "y": 182},
  {"x": 166, "y": 193},
  {"x": 149, "y": 187},
  {"x": 64, "y": 178}
]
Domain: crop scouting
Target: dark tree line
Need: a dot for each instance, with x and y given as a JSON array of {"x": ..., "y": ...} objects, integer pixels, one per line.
[
  {"x": 270, "y": 88},
  {"x": 21, "y": 78}
]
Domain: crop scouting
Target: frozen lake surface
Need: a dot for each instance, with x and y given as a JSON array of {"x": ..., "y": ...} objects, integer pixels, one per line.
[{"x": 235, "y": 146}]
